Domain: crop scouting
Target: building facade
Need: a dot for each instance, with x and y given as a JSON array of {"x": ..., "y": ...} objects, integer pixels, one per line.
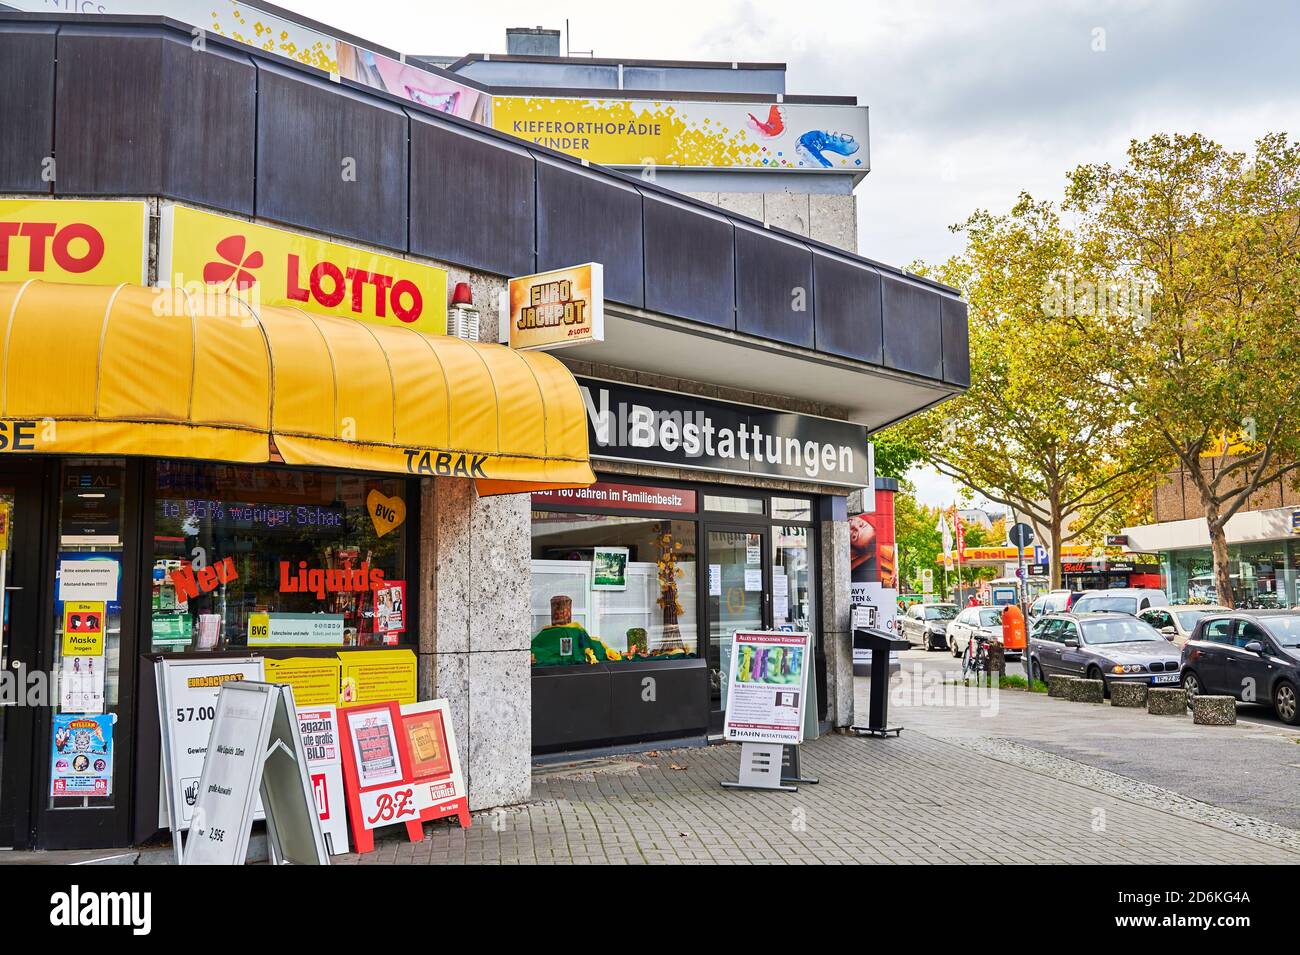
[
  {"x": 285, "y": 456},
  {"x": 1263, "y": 551}
]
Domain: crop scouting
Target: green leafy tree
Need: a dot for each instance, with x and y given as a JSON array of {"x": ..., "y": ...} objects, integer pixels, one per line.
[
  {"x": 1054, "y": 447},
  {"x": 895, "y": 454},
  {"x": 918, "y": 542},
  {"x": 1207, "y": 242}
]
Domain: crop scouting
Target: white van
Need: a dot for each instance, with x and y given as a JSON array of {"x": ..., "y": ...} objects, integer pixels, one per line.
[{"x": 1129, "y": 600}]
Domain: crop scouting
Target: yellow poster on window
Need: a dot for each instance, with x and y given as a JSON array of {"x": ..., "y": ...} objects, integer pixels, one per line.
[
  {"x": 315, "y": 680},
  {"x": 83, "y": 628},
  {"x": 377, "y": 676}
]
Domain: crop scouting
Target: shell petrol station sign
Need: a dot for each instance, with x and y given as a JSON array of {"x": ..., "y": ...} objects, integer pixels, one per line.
[
  {"x": 77, "y": 241},
  {"x": 276, "y": 267}
]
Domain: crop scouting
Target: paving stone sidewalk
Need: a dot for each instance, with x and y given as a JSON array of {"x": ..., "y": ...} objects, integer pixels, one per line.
[{"x": 915, "y": 799}]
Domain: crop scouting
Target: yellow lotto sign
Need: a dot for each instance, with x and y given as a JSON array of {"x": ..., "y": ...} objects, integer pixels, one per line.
[
  {"x": 558, "y": 308},
  {"x": 274, "y": 267},
  {"x": 85, "y": 242}
]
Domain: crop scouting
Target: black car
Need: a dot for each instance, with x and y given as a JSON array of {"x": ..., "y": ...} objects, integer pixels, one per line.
[{"x": 1254, "y": 656}]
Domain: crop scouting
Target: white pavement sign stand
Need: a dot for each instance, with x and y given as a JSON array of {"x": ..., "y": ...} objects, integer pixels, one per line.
[
  {"x": 255, "y": 747},
  {"x": 767, "y": 689},
  {"x": 187, "y": 702}
]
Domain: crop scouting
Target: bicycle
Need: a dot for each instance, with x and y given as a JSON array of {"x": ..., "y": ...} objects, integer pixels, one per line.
[{"x": 976, "y": 658}]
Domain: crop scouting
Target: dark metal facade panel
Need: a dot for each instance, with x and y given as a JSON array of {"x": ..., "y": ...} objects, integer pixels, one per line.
[
  {"x": 141, "y": 112},
  {"x": 210, "y": 115},
  {"x": 473, "y": 200},
  {"x": 26, "y": 119},
  {"x": 956, "y": 341},
  {"x": 132, "y": 109},
  {"x": 330, "y": 159},
  {"x": 847, "y": 315},
  {"x": 774, "y": 287},
  {"x": 108, "y": 111},
  {"x": 586, "y": 217},
  {"x": 680, "y": 706},
  {"x": 689, "y": 262},
  {"x": 912, "y": 327}
]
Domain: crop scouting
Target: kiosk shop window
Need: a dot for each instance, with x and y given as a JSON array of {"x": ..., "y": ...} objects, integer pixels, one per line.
[
  {"x": 608, "y": 588},
  {"x": 266, "y": 557}
]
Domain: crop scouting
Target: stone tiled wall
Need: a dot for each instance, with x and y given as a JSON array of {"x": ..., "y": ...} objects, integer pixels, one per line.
[
  {"x": 1176, "y": 497},
  {"x": 474, "y": 631},
  {"x": 836, "y": 637},
  {"x": 832, "y": 219}
]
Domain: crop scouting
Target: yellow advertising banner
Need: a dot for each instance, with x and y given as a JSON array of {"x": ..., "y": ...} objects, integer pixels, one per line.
[
  {"x": 558, "y": 308},
  {"x": 315, "y": 680},
  {"x": 268, "y": 266},
  {"x": 699, "y": 134},
  {"x": 376, "y": 676},
  {"x": 84, "y": 242}
]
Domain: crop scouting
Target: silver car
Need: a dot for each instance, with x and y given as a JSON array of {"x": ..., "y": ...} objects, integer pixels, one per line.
[
  {"x": 1111, "y": 647},
  {"x": 976, "y": 621},
  {"x": 927, "y": 624}
]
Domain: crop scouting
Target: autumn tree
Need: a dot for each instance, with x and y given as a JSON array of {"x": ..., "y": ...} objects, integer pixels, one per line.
[
  {"x": 1210, "y": 365},
  {"x": 1052, "y": 446}
]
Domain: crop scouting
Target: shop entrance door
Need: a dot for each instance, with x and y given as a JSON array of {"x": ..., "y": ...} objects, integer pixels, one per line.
[
  {"x": 20, "y": 591},
  {"x": 737, "y": 575}
]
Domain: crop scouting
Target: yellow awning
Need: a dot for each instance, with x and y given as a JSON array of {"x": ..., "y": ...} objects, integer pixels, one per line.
[{"x": 125, "y": 370}]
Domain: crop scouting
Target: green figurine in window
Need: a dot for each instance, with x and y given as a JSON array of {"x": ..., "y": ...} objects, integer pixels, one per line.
[{"x": 564, "y": 642}]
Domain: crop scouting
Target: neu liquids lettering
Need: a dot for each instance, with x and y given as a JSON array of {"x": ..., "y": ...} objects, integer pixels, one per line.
[{"x": 320, "y": 581}]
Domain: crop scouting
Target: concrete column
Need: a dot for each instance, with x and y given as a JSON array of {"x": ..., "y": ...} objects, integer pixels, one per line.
[
  {"x": 837, "y": 639},
  {"x": 474, "y": 631}
]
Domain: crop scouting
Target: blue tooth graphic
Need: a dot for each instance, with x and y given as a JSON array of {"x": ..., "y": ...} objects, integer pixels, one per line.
[{"x": 815, "y": 142}]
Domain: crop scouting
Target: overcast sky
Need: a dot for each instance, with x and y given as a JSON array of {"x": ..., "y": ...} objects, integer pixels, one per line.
[{"x": 971, "y": 102}]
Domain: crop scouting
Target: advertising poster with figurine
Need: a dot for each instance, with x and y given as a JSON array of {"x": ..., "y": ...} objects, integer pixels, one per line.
[
  {"x": 81, "y": 757},
  {"x": 390, "y": 611},
  {"x": 767, "y": 687}
]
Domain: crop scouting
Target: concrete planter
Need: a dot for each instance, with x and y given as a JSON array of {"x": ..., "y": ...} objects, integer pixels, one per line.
[
  {"x": 1056, "y": 685},
  {"x": 1128, "y": 694},
  {"x": 1214, "y": 710},
  {"x": 1166, "y": 701},
  {"x": 1085, "y": 691}
]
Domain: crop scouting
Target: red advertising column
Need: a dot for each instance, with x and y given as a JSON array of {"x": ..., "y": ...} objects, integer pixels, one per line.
[{"x": 873, "y": 565}]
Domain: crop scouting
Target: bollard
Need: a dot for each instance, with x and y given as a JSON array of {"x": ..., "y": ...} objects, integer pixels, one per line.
[
  {"x": 1214, "y": 710},
  {"x": 1128, "y": 694},
  {"x": 1085, "y": 691},
  {"x": 1056, "y": 684},
  {"x": 1166, "y": 701}
]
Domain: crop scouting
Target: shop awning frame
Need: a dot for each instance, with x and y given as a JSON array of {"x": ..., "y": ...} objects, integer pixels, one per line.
[{"x": 126, "y": 370}]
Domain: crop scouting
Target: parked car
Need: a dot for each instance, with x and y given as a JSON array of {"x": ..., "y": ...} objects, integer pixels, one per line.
[
  {"x": 1111, "y": 647},
  {"x": 973, "y": 621},
  {"x": 1054, "y": 601},
  {"x": 1129, "y": 600},
  {"x": 1254, "y": 656},
  {"x": 927, "y": 624},
  {"x": 1177, "y": 622}
]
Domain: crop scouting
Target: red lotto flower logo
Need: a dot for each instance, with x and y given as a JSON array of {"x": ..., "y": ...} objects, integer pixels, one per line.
[{"x": 233, "y": 272}]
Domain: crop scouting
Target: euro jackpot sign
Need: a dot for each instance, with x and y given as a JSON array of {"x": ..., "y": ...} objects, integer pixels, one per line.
[{"x": 557, "y": 308}]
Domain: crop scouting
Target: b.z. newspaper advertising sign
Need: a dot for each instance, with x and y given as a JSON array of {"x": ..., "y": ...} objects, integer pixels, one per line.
[{"x": 766, "y": 687}]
